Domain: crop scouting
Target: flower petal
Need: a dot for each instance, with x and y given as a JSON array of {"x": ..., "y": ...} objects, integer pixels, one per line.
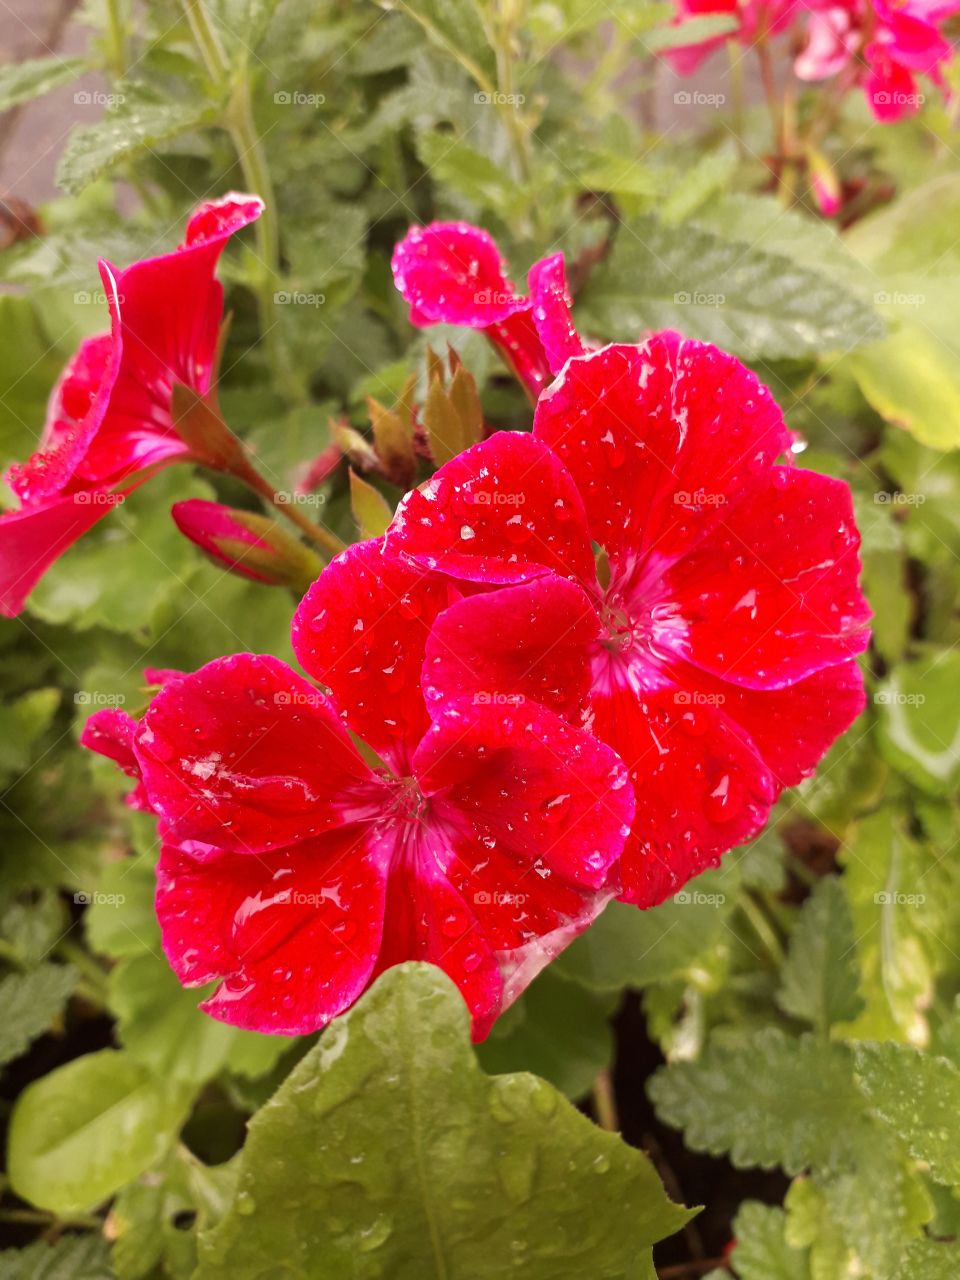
[
  {"x": 503, "y": 511},
  {"x": 452, "y": 273},
  {"x": 33, "y": 537},
  {"x": 293, "y": 934},
  {"x": 247, "y": 756},
  {"x": 774, "y": 595},
  {"x": 532, "y": 641},
  {"x": 110, "y": 732},
  {"x": 361, "y": 629},
  {"x": 551, "y": 311},
  {"x": 659, "y": 438},
  {"x": 700, "y": 786}
]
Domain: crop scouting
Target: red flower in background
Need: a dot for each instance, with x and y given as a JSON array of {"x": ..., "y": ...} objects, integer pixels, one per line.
[
  {"x": 452, "y": 273},
  {"x": 109, "y": 421},
  {"x": 882, "y": 46},
  {"x": 295, "y": 871},
  {"x": 755, "y": 19},
  {"x": 727, "y": 612}
]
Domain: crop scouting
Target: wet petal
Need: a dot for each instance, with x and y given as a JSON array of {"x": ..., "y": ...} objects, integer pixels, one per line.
[
  {"x": 551, "y": 311},
  {"x": 361, "y": 630},
  {"x": 502, "y": 511},
  {"x": 774, "y": 595},
  {"x": 660, "y": 439},
  {"x": 452, "y": 273},
  {"x": 110, "y": 732},
  {"x": 246, "y": 755},
  {"x": 293, "y": 934},
  {"x": 32, "y": 538},
  {"x": 501, "y": 648}
]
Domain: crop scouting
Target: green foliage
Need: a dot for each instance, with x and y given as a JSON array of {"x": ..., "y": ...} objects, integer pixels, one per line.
[
  {"x": 388, "y": 1148},
  {"x": 29, "y": 1003}
]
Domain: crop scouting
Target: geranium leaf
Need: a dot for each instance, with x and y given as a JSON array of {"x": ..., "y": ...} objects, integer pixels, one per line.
[
  {"x": 819, "y": 980},
  {"x": 28, "y": 1004},
  {"x": 81, "y": 1132},
  {"x": 389, "y": 1152}
]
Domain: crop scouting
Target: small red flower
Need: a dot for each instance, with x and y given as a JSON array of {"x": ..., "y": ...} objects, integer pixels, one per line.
[
  {"x": 481, "y": 837},
  {"x": 452, "y": 273},
  {"x": 109, "y": 421},
  {"x": 727, "y": 612}
]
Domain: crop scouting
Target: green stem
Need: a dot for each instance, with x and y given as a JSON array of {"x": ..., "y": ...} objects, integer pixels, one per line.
[
  {"x": 604, "y": 1103},
  {"x": 763, "y": 929},
  {"x": 118, "y": 39},
  {"x": 315, "y": 532},
  {"x": 239, "y": 124}
]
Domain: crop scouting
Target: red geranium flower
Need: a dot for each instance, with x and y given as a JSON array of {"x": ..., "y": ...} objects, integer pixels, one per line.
[
  {"x": 109, "y": 421},
  {"x": 481, "y": 837},
  {"x": 452, "y": 273},
  {"x": 727, "y": 609}
]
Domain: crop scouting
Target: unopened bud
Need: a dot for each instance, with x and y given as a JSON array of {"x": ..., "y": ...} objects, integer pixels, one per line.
[{"x": 248, "y": 544}]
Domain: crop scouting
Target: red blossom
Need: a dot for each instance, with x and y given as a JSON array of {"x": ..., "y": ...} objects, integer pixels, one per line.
[
  {"x": 109, "y": 421},
  {"x": 727, "y": 619},
  {"x": 453, "y": 273},
  {"x": 294, "y": 869}
]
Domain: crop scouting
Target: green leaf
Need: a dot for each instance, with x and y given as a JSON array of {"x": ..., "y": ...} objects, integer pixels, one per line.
[
  {"x": 557, "y": 1030},
  {"x": 21, "y": 723},
  {"x": 919, "y": 721},
  {"x": 918, "y": 1095},
  {"x": 370, "y": 508},
  {"x": 161, "y": 1025},
  {"x": 388, "y": 1152},
  {"x": 95, "y": 149},
  {"x": 766, "y": 1099},
  {"x": 455, "y": 26},
  {"x": 722, "y": 290},
  {"x": 627, "y": 947},
  {"x": 820, "y": 977},
  {"x": 912, "y": 380},
  {"x": 29, "y": 366},
  {"x": 121, "y": 920},
  {"x": 28, "y": 1004},
  {"x": 81, "y": 1132},
  {"x": 32, "y": 78},
  {"x": 71, "y": 1258},
  {"x": 930, "y": 1260},
  {"x": 762, "y": 1251}
]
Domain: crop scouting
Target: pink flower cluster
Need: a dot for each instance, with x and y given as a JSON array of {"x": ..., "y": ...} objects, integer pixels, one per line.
[
  {"x": 880, "y": 45},
  {"x": 582, "y": 663}
]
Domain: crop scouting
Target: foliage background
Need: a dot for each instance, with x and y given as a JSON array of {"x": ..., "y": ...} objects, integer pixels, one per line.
[{"x": 792, "y": 1013}]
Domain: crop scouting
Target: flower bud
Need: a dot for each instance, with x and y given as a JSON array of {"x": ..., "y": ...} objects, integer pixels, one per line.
[{"x": 248, "y": 544}]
